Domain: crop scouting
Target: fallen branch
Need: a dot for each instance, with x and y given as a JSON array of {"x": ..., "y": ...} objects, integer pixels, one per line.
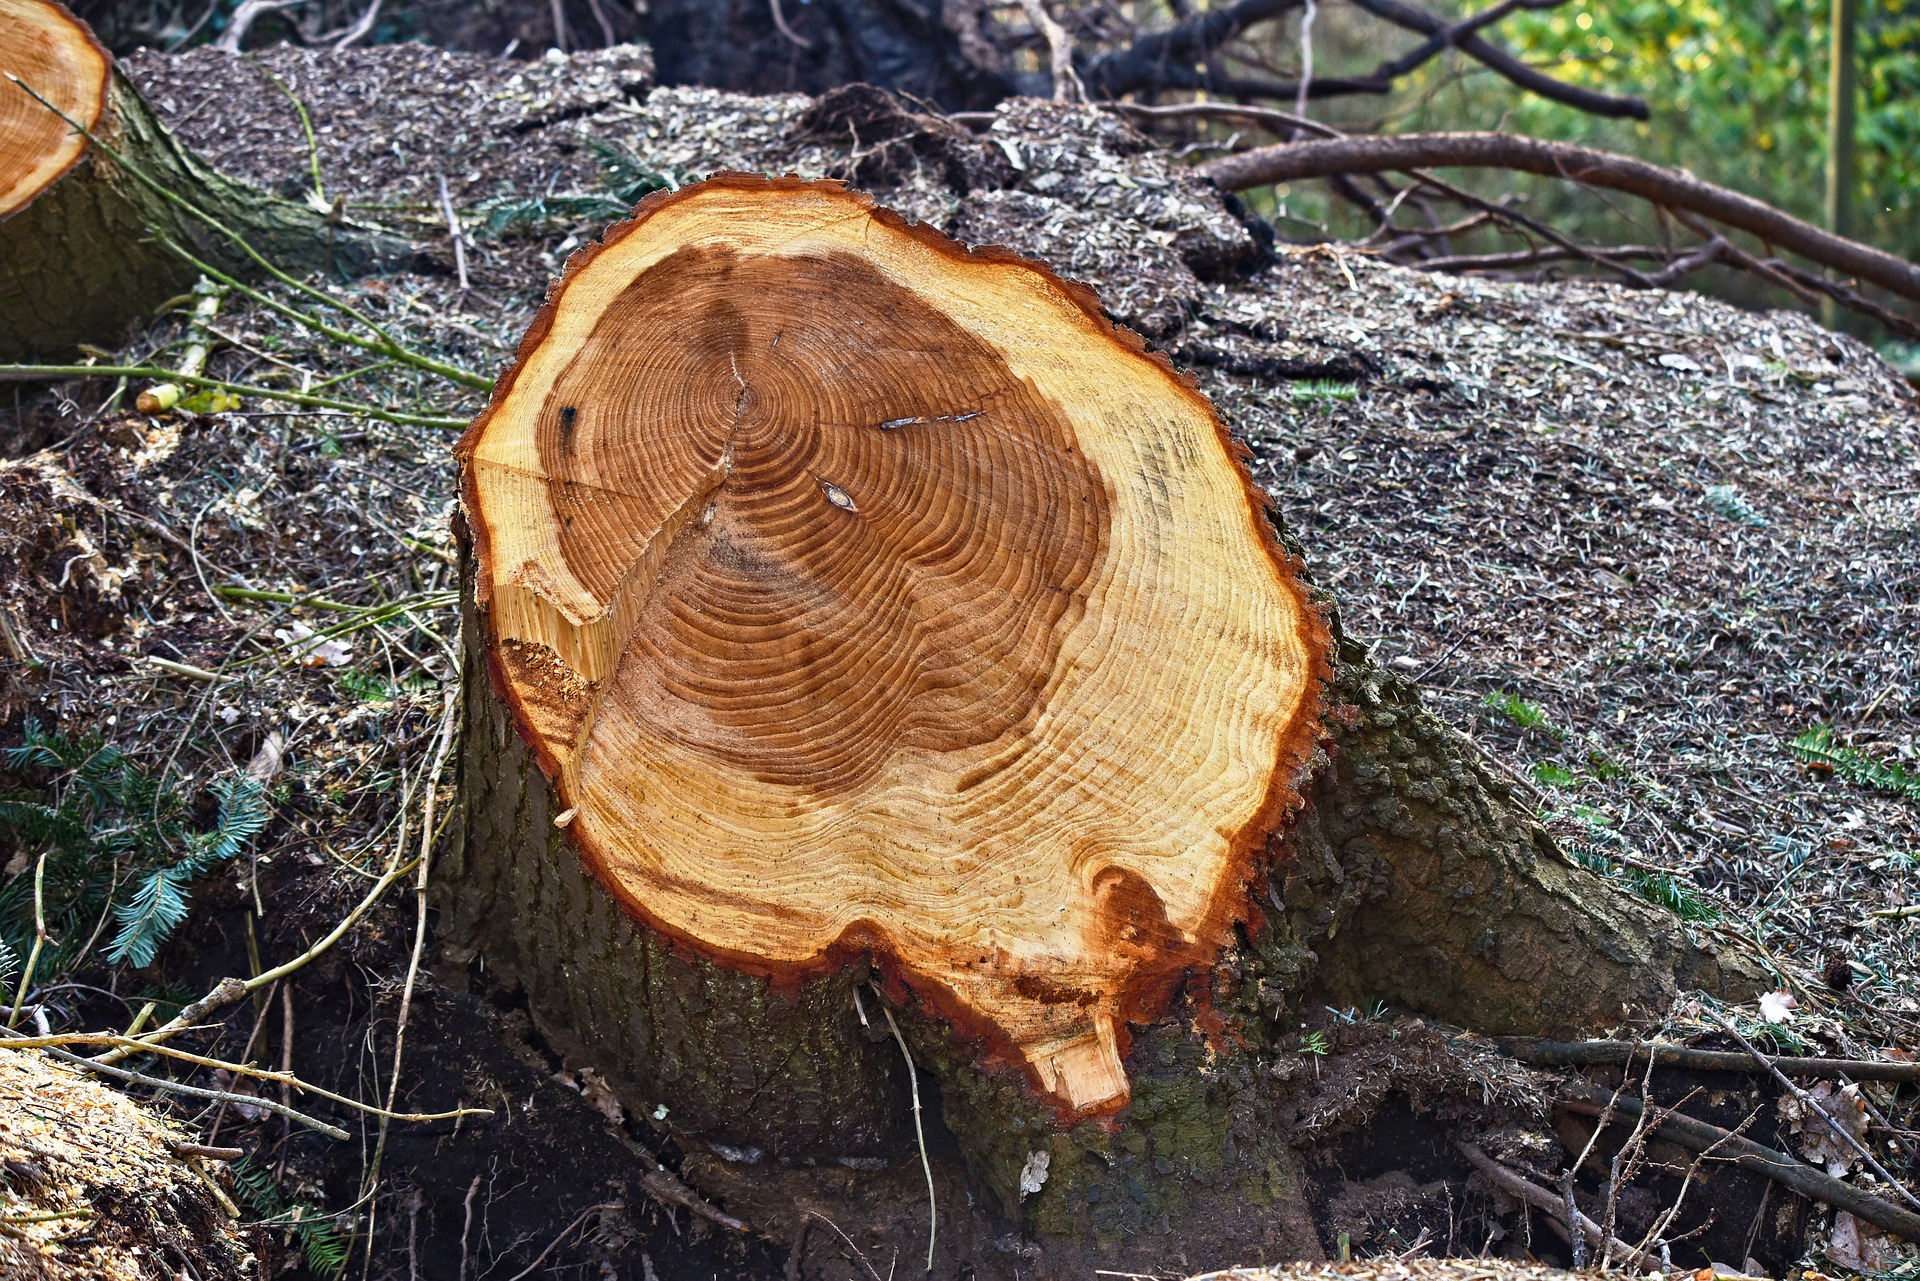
[
  {"x": 1808, "y": 1101},
  {"x": 1514, "y": 1184},
  {"x": 1620, "y": 1053},
  {"x": 1672, "y": 188},
  {"x": 1699, "y": 1136},
  {"x": 1142, "y": 64}
]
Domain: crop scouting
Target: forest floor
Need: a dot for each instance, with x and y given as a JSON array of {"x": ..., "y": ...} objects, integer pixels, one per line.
[{"x": 1633, "y": 545}]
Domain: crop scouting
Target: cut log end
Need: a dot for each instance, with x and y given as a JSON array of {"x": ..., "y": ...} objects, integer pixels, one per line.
[
  {"x": 48, "y": 50},
  {"x": 863, "y": 593}
]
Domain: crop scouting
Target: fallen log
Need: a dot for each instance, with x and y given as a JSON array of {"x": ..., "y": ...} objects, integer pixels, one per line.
[{"x": 93, "y": 188}]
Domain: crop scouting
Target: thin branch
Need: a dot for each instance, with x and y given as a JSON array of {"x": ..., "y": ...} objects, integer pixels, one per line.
[
  {"x": 1673, "y": 188},
  {"x": 28, "y": 373},
  {"x": 1818, "y": 1185},
  {"x": 1516, "y": 1185},
  {"x": 1146, "y": 63},
  {"x": 249, "y": 12},
  {"x": 1501, "y": 62},
  {"x": 1808, "y": 1101},
  {"x": 1612, "y": 1053},
  {"x": 1066, "y": 83}
]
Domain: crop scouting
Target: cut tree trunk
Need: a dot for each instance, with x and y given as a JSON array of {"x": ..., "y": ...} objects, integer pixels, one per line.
[
  {"x": 81, "y": 234},
  {"x": 862, "y": 629}
]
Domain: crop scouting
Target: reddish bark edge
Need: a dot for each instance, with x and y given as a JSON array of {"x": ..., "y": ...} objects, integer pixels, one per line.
[
  {"x": 99, "y": 106},
  {"x": 1152, "y": 988}
]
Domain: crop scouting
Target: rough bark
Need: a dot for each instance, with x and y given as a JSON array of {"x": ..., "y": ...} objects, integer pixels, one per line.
[{"x": 85, "y": 259}]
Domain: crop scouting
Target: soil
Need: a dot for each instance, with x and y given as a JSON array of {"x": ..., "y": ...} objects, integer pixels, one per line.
[{"x": 1631, "y": 544}]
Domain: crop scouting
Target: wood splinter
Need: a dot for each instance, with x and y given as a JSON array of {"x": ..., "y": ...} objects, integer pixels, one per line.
[{"x": 861, "y": 593}]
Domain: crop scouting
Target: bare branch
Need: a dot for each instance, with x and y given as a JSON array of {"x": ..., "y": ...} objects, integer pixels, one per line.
[
  {"x": 1066, "y": 82},
  {"x": 249, "y": 12},
  {"x": 1149, "y": 61},
  {"x": 1673, "y": 188},
  {"x": 1501, "y": 62}
]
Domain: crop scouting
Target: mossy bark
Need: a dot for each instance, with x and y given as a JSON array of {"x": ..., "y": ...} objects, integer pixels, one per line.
[
  {"x": 1411, "y": 877},
  {"x": 85, "y": 260}
]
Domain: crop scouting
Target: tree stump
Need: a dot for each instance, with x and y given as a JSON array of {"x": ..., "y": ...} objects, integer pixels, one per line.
[
  {"x": 851, "y": 609},
  {"x": 81, "y": 251}
]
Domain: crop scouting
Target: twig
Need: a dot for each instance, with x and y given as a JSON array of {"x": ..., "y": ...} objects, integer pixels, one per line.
[
  {"x": 60, "y": 1040},
  {"x": 780, "y": 21},
  {"x": 388, "y": 344},
  {"x": 1698, "y": 1136},
  {"x": 229, "y": 990},
  {"x": 28, "y": 373},
  {"x": 306, "y": 320},
  {"x": 1906, "y": 913},
  {"x": 453, "y": 230},
  {"x": 1533, "y": 1194},
  {"x": 199, "y": 1092},
  {"x": 1672, "y": 188},
  {"x": 1611, "y": 1053},
  {"x": 565, "y": 1232},
  {"x": 1066, "y": 81},
  {"x": 1279, "y": 120},
  {"x": 1808, "y": 1101},
  {"x": 184, "y": 1148},
  {"x": 39, "y": 940},
  {"x": 244, "y": 18},
  {"x": 184, "y": 669},
  {"x": 920, "y": 1137},
  {"x": 1464, "y": 37},
  {"x": 358, "y": 31},
  {"x": 853, "y": 1250},
  {"x": 300, "y": 108},
  {"x": 449, "y": 716}
]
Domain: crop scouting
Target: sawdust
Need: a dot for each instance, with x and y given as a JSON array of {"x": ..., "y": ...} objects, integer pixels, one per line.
[{"x": 89, "y": 1186}]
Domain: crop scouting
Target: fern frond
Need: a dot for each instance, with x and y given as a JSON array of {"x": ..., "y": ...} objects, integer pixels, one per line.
[
  {"x": 1816, "y": 747},
  {"x": 38, "y": 749},
  {"x": 243, "y": 814},
  {"x": 148, "y": 916},
  {"x": 9, "y": 964}
]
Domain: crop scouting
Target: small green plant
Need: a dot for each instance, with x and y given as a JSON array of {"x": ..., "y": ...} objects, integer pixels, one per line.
[
  {"x": 1522, "y": 713},
  {"x": 1817, "y": 747},
  {"x": 1662, "y": 888},
  {"x": 326, "y": 1248},
  {"x": 1604, "y": 767},
  {"x": 116, "y": 839},
  {"x": 624, "y": 179},
  {"x": 1548, "y": 774},
  {"x": 1727, "y": 501},
  {"x": 1323, "y": 389},
  {"x": 1316, "y": 1044}
]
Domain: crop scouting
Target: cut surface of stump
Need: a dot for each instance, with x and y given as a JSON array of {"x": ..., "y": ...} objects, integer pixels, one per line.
[
  {"x": 50, "y": 51},
  {"x": 864, "y": 594}
]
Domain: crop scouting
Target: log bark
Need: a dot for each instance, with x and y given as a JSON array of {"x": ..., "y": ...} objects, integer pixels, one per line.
[
  {"x": 1401, "y": 872},
  {"x": 81, "y": 252}
]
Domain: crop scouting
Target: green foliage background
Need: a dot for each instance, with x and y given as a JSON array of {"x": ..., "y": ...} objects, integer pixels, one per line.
[{"x": 1738, "y": 90}]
